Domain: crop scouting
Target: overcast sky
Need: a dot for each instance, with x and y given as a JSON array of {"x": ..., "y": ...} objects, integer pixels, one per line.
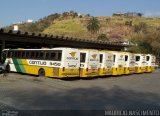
[{"x": 12, "y": 11}]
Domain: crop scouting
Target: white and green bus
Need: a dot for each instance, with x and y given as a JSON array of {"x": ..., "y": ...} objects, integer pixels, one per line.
[{"x": 56, "y": 62}]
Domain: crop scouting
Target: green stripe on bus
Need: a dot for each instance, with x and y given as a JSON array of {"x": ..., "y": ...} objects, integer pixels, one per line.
[
  {"x": 18, "y": 65},
  {"x": 21, "y": 65}
]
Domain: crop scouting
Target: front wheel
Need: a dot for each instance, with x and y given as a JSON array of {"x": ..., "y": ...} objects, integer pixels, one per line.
[{"x": 41, "y": 72}]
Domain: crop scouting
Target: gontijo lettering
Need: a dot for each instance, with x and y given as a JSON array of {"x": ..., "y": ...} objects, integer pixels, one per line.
[{"x": 37, "y": 62}]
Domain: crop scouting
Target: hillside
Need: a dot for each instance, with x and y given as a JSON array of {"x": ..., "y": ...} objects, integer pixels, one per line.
[
  {"x": 68, "y": 27},
  {"x": 77, "y": 27},
  {"x": 140, "y": 31},
  {"x": 116, "y": 28},
  {"x": 72, "y": 25}
]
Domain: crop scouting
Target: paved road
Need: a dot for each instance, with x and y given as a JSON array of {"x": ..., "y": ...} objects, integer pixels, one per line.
[{"x": 23, "y": 92}]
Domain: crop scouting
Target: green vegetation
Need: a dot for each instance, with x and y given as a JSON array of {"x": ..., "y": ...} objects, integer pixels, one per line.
[
  {"x": 146, "y": 43},
  {"x": 102, "y": 37},
  {"x": 141, "y": 27},
  {"x": 38, "y": 26},
  {"x": 143, "y": 32},
  {"x": 68, "y": 27},
  {"x": 93, "y": 25}
]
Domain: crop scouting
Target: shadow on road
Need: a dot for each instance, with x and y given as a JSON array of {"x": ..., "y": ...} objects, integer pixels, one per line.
[{"x": 86, "y": 99}]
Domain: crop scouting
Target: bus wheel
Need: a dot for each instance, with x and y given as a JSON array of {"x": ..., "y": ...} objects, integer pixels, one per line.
[
  {"x": 41, "y": 72},
  {"x": 7, "y": 69}
]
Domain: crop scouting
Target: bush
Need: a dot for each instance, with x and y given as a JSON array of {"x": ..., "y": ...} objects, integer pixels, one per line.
[
  {"x": 128, "y": 23},
  {"x": 102, "y": 37},
  {"x": 141, "y": 27}
]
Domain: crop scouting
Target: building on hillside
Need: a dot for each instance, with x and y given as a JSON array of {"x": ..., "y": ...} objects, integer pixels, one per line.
[
  {"x": 15, "y": 28},
  {"x": 128, "y": 14},
  {"x": 29, "y": 21},
  {"x": 133, "y": 14},
  {"x": 118, "y": 14},
  {"x": 23, "y": 22}
]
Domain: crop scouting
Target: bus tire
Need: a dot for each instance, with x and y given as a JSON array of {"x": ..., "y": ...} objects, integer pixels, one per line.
[
  {"x": 41, "y": 72},
  {"x": 7, "y": 68}
]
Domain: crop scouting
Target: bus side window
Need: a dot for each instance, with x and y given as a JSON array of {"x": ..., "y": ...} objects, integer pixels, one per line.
[
  {"x": 56, "y": 55},
  {"x": 82, "y": 57},
  {"x": 137, "y": 58},
  {"x": 32, "y": 55},
  {"x": 53, "y": 56},
  {"x": 23, "y": 54},
  {"x": 36, "y": 54},
  {"x": 126, "y": 58},
  {"x": 147, "y": 58},
  {"x": 15, "y": 54},
  {"x": 59, "y": 57},
  {"x": 28, "y": 54},
  {"x": 19, "y": 54},
  {"x": 47, "y": 55},
  {"x": 41, "y": 55},
  {"x": 101, "y": 58}
]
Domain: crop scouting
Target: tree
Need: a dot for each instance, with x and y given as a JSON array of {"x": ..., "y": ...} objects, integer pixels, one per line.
[
  {"x": 71, "y": 12},
  {"x": 54, "y": 16},
  {"x": 140, "y": 14},
  {"x": 80, "y": 16},
  {"x": 146, "y": 43},
  {"x": 65, "y": 14},
  {"x": 75, "y": 15},
  {"x": 88, "y": 15},
  {"x": 93, "y": 25}
]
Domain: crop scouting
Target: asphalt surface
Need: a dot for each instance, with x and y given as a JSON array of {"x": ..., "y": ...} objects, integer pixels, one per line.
[{"x": 132, "y": 92}]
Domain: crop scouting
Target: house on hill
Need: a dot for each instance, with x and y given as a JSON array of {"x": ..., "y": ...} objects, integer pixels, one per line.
[
  {"x": 133, "y": 14},
  {"x": 128, "y": 14},
  {"x": 118, "y": 14}
]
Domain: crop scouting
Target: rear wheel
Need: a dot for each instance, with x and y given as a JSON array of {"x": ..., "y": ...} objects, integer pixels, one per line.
[{"x": 41, "y": 72}]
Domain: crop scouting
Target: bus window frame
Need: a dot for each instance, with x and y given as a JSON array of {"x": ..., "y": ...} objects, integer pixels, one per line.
[
  {"x": 23, "y": 54},
  {"x": 101, "y": 58},
  {"x": 32, "y": 55},
  {"x": 41, "y": 55},
  {"x": 114, "y": 58},
  {"x": 57, "y": 57},
  {"x": 147, "y": 58},
  {"x": 137, "y": 60},
  {"x": 27, "y": 55},
  {"x": 19, "y": 54},
  {"x": 126, "y": 58},
  {"x": 15, "y": 52},
  {"x": 83, "y": 58},
  {"x": 47, "y": 57}
]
